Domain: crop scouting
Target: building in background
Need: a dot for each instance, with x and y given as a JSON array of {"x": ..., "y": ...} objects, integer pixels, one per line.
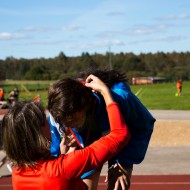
[{"x": 147, "y": 80}]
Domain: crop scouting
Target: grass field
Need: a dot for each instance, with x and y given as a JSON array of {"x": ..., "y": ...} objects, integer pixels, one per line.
[
  {"x": 163, "y": 96},
  {"x": 156, "y": 96}
]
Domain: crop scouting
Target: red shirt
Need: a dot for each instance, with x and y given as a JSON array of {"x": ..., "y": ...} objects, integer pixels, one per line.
[{"x": 63, "y": 173}]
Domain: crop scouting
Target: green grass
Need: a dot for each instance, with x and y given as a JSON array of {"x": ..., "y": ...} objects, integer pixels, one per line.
[
  {"x": 28, "y": 89},
  {"x": 163, "y": 96},
  {"x": 27, "y": 96},
  {"x": 9, "y": 85},
  {"x": 156, "y": 96}
]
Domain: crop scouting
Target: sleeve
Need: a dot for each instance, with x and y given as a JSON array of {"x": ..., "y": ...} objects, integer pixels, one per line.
[{"x": 76, "y": 163}]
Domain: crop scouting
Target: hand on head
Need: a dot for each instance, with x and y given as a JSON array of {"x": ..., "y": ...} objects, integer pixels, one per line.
[{"x": 95, "y": 84}]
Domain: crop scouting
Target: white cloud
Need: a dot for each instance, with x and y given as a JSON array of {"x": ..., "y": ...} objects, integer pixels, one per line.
[
  {"x": 167, "y": 39},
  {"x": 172, "y": 38},
  {"x": 72, "y": 28},
  {"x": 176, "y": 17},
  {"x": 105, "y": 43},
  {"x": 94, "y": 46},
  {"x": 44, "y": 42},
  {"x": 144, "y": 30},
  {"x": 38, "y": 29},
  {"x": 115, "y": 13},
  {"x": 9, "y": 36}
]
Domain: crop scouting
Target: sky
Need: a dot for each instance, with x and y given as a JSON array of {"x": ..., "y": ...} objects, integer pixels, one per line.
[{"x": 44, "y": 28}]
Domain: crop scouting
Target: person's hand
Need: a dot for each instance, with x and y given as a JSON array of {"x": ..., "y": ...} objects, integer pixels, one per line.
[
  {"x": 95, "y": 84},
  {"x": 68, "y": 144},
  {"x": 118, "y": 178}
]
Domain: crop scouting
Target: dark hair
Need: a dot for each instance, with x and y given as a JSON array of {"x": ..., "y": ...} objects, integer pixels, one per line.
[
  {"x": 23, "y": 140},
  {"x": 67, "y": 96},
  {"x": 109, "y": 77}
]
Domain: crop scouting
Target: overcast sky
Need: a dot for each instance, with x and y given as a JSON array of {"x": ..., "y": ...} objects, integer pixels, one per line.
[{"x": 44, "y": 28}]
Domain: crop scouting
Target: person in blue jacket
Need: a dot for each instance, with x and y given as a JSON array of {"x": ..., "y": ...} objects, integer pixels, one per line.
[{"x": 69, "y": 98}]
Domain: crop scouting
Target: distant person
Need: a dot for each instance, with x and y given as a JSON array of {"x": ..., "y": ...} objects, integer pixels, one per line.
[
  {"x": 133, "y": 81},
  {"x": 36, "y": 98},
  {"x": 16, "y": 94},
  {"x": 3, "y": 102},
  {"x": 2, "y": 94},
  {"x": 13, "y": 97},
  {"x": 179, "y": 87},
  {"x": 26, "y": 141}
]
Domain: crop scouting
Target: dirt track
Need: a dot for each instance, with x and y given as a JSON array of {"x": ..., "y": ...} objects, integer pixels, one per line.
[{"x": 171, "y": 133}]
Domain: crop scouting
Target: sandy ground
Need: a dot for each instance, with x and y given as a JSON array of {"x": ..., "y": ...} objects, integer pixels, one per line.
[
  {"x": 169, "y": 149},
  {"x": 171, "y": 133}
]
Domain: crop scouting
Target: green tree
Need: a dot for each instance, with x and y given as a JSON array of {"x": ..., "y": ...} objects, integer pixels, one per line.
[
  {"x": 87, "y": 61},
  {"x": 38, "y": 72}
]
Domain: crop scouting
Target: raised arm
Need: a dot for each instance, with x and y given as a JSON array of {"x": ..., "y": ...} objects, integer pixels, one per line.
[
  {"x": 102, "y": 150},
  {"x": 99, "y": 86}
]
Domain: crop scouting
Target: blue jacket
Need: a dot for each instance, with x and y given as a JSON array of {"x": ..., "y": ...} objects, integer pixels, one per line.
[{"x": 137, "y": 117}]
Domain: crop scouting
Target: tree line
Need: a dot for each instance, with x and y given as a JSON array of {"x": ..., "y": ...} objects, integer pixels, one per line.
[{"x": 172, "y": 66}]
